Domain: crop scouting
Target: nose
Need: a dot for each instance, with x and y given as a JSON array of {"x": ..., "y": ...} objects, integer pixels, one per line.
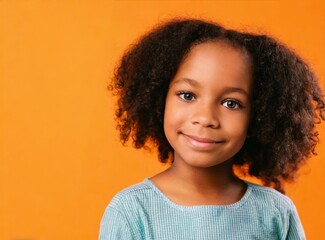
[{"x": 206, "y": 116}]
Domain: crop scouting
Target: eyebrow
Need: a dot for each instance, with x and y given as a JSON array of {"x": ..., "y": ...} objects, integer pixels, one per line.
[
  {"x": 226, "y": 90},
  {"x": 235, "y": 89},
  {"x": 187, "y": 80}
]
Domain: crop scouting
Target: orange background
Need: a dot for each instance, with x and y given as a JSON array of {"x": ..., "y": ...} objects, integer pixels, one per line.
[{"x": 60, "y": 158}]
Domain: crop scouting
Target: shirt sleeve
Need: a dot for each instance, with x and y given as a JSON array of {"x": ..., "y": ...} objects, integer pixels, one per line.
[
  {"x": 114, "y": 226},
  {"x": 295, "y": 229}
]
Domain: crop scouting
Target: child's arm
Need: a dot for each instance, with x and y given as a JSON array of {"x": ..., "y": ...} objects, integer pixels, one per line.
[
  {"x": 114, "y": 226},
  {"x": 294, "y": 227}
]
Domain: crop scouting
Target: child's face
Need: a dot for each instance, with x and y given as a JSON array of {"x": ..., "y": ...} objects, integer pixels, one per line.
[{"x": 208, "y": 105}]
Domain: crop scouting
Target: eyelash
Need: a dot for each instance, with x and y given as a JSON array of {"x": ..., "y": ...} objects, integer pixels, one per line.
[
  {"x": 181, "y": 94},
  {"x": 238, "y": 104}
]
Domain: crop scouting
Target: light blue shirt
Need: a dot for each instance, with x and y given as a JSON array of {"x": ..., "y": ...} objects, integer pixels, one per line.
[{"x": 142, "y": 211}]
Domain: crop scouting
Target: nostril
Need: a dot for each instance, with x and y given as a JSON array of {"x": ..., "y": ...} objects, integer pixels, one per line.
[
  {"x": 205, "y": 115},
  {"x": 206, "y": 122}
]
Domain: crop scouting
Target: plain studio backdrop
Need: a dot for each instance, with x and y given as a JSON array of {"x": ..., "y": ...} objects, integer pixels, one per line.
[{"x": 60, "y": 158}]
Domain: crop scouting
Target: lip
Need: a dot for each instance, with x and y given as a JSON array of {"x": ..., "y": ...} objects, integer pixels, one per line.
[{"x": 204, "y": 143}]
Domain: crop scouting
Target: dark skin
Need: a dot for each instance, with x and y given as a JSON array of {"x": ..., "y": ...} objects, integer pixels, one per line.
[
  {"x": 206, "y": 119},
  {"x": 287, "y": 99},
  {"x": 190, "y": 186}
]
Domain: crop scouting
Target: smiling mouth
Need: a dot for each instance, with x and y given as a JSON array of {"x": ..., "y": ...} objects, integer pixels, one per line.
[{"x": 202, "y": 142}]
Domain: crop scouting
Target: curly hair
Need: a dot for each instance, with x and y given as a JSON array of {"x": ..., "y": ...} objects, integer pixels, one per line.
[{"x": 287, "y": 100}]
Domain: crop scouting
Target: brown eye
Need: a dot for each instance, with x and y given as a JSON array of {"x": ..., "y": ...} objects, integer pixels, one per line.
[
  {"x": 186, "y": 96},
  {"x": 231, "y": 104}
]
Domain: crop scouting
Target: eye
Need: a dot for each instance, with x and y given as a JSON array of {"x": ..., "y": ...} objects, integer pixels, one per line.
[
  {"x": 186, "y": 96},
  {"x": 231, "y": 104}
]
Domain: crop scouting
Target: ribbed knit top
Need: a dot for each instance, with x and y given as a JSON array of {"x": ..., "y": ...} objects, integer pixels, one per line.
[{"x": 142, "y": 211}]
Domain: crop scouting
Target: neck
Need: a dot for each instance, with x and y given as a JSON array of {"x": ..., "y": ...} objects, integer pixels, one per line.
[
  {"x": 216, "y": 178},
  {"x": 200, "y": 186}
]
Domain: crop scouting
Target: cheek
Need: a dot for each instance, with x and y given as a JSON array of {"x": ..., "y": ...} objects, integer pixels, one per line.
[
  {"x": 174, "y": 111},
  {"x": 169, "y": 120},
  {"x": 172, "y": 120},
  {"x": 237, "y": 127}
]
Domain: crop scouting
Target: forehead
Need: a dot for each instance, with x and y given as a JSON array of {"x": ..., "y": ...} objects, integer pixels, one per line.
[
  {"x": 219, "y": 52},
  {"x": 217, "y": 62}
]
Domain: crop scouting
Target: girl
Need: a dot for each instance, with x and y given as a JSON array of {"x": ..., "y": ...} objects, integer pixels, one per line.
[{"x": 213, "y": 100}]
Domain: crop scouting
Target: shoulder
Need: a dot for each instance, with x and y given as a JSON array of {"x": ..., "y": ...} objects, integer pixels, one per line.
[
  {"x": 273, "y": 207},
  {"x": 133, "y": 189},
  {"x": 120, "y": 219},
  {"x": 130, "y": 198},
  {"x": 270, "y": 197}
]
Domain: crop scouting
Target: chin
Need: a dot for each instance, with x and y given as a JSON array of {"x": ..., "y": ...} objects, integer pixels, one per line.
[{"x": 205, "y": 164}]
